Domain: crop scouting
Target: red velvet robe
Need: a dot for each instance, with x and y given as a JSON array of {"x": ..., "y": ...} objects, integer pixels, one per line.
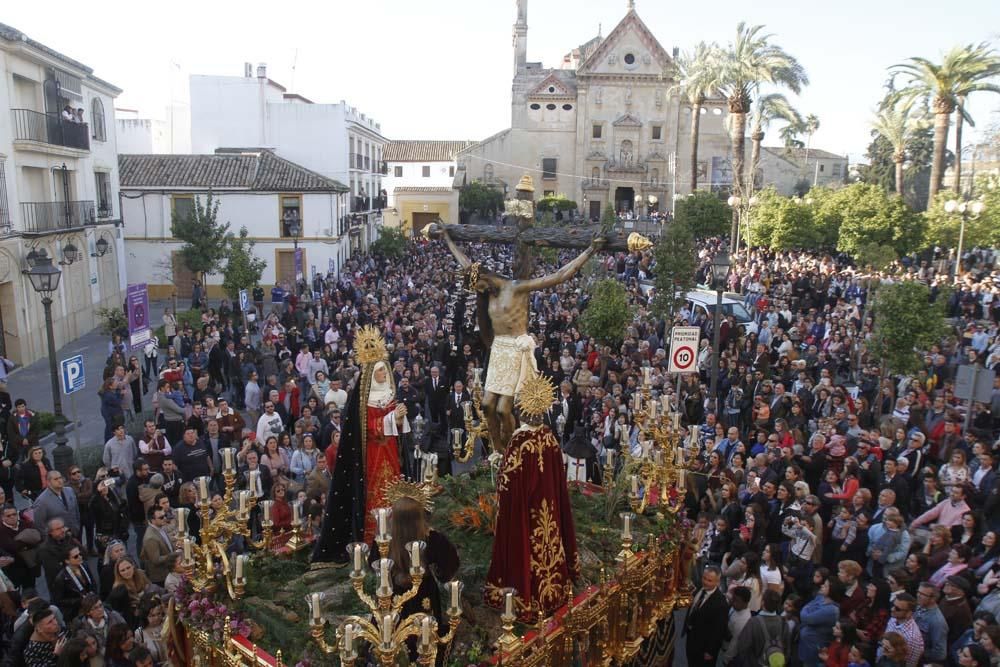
[
  {"x": 382, "y": 464},
  {"x": 534, "y": 550}
]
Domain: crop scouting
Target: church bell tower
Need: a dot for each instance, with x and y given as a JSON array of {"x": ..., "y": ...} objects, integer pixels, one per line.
[{"x": 521, "y": 37}]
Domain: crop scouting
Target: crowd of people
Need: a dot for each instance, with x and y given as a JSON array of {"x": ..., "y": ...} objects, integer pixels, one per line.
[{"x": 838, "y": 518}]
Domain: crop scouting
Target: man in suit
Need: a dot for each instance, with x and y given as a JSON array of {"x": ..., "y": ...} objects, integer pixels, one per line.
[
  {"x": 157, "y": 553},
  {"x": 567, "y": 405},
  {"x": 453, "y": 409},
  {"x": 704, "y": 626},
  {"x": 437, "y": 398}
]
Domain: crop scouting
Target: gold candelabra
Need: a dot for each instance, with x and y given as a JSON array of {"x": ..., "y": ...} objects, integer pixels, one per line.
[
  {"x": 387, "y": 631},
  {"x": 203, "y": 562},
  {"x": 475, "y": 422}
]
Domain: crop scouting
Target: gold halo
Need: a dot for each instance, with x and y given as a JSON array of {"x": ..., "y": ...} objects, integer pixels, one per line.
[
  {"x": 526, "y": 184},
  {"x": 400, "y": 487},
  {"x": 536, "y": 395},
  {"x": 369, "y": 345}
]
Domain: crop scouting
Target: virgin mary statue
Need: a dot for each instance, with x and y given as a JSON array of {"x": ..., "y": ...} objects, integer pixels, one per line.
[{"x": 368, "y": 457}]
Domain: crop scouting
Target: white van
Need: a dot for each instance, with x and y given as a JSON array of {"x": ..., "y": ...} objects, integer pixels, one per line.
[{"x": 703, "y": 301}]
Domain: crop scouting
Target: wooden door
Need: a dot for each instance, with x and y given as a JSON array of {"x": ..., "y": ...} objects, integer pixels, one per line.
[
  {"x": 421, "y": 220},
  {"x": 183, "y": 276}
]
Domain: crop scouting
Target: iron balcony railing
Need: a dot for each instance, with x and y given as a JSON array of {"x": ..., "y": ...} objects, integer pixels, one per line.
[
  {"x": 49, "y": 129},
  {"x": 51, "y": 216}
]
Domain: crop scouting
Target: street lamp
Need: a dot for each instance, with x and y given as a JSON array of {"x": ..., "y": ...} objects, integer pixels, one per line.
[
  {"x": 102, "y": 246},
  {"x": 70, "y": 254},
  {"x": 44, "y": 277},
  {"x": 720, "y": 271},
  {"x": 967, "y": 210}
]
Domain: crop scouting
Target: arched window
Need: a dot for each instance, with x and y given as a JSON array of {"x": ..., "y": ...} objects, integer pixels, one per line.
[
  {"x": 488, "y": 173},
  {"x": 97, "y": 120}
]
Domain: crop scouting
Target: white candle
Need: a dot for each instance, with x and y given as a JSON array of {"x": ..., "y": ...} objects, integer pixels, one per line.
[
  {"x": 415, "y": 555},
  {"x": 358, "y": 558},
  {"x": 425, "y": 630},
  {"x": 383, "y": 572},
  {"x": 635, "y": 485},
  {"x": 627, "y": 529},
  {"x": 187, "y": 550},
  {"x": 508, "y": 603},
  {"x": 240, "y": 560},
  {"x": 227, "y": 459},
  {"x": 387, "y": 629},
  {"x": 645, "y": 374},
  {"x": 203, "y": 488},
  {"x": 610, "y": 454},
  {"x": 253, "y": 481},
  {"x": 637, "y": 401},
  {"x": 349, "y": 638},
  {"x": 666, "y": 408},
  {"x": 658, "y": 457},
  {"x": 454, "y": 594},
  {"x": 267, "y": 510},
  {"x": 182, "y": 520},
  {"x": 383, "y": 521},
  {"x": 314, "y": 603},
  {"x": 243, "y": 501},
  {"x": 680, "y": 479},
  {"x": 296, "y": 514}
]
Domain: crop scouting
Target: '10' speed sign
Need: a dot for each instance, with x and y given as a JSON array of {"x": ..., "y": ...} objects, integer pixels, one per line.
[{"x": 683, "y": 349}]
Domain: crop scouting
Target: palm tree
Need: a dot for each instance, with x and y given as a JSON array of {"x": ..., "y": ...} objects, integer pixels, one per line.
[
  {"x": 898, "y": 124},
  {"x": 737, "y": 72},
  {"x": 963, "y": 71},
  {"x": 692, "y": 81},
  {"x": 790, "y": 136},
  {"x": 959, "y": 120},
  {"x": 809, "y": 126},
  {"x": 768, "y": 109}
]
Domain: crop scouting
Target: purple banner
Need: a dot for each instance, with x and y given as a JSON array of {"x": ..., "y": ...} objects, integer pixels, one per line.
[{"x": 138, "y": 307}]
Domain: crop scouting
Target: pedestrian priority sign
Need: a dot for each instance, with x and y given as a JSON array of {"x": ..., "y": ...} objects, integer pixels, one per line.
[{"x": 73, "y": 377}]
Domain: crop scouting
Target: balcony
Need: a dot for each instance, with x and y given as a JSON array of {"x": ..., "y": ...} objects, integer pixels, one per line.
[
  {"x": 31, "y": 125},
  {"x": 365, "y": 204},
  {"x": 55, "y": 216},
  {"x": 356, "y": 161}
]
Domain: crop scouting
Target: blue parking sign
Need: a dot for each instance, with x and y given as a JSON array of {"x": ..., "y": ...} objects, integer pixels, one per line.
[{"x": 73, "y": 377}]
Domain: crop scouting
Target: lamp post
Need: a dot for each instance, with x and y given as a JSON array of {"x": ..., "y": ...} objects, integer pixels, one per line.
[
  {"x": 966, "y": 210},
  {"x": 720, "y": 270},
  {"x": 44, "y": 277}
]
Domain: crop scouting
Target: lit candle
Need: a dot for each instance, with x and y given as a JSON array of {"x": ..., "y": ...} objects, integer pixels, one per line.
[
  {"x": 227, "y": 459},
  {"x": 637, "y": 401},
  {"x": 243, "y": 501},
  {"x": 415, "y": 555},
  {"x": 296, "y": 514},
  {"x": 387, "y": 629},
  {"x": 240, "y": 560},
  {"x": 627, "y": 528},
  {"x": 383, "y": 521},
  {"x": 267, "y": 510},
  {"x": 610, "y": 454},
  {"x": 203, "y": 489},
  {"x": 657, "y": 457},
  {"x": 645, "y": 374},
  {"x": 383, "y": 572},
  {"x": 425, "y": 630},
  {"x": 358, "y": 557},
  {"x": 653, "y": 405},
  {"x": 635, "y": 485},
  {"x": 314, "y": 604},
  {"x": 467, "y": 409},
  {"x": 456, "y": 437},
  {"x": 666, "y": 408},
  {"x": 182, "y": 521},
  {"x": 454, "y": 594},
  {"x": 253, "y": 481},
  {"x": 508, "y": 603},
  {"x": 680, "y": 480},
  {"x": 349, "y": 638},
  {"x": 187, "y": 550}
]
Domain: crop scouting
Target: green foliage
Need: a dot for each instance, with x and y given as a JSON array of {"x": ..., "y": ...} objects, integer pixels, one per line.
[
  {"x": 544, "y": 253},
  {"x": 559, "y": 202},
  {"x": 881, "y": 170},
  {"x": 205, "y": 238},
  {"x": 243, "y": 268},
  {"x": 704, "y": 214},
  {"x": 112, "y": 320},
  {"x": 391, "y": 243},
  {"x": 782, "y": 223},
  {"x": 478, "y": 197},
  {"x": 608, "y": 218},
  {"x": 869, "y": 215},
  {"x": 906, "y": 324},
  {"x": 676, "y": 261},
  {"x": 608, "y": 313},
  {"x": 192, "y": 317},
  {"x": 875, "y": 256},
  {"x": 943, "y": 228}
]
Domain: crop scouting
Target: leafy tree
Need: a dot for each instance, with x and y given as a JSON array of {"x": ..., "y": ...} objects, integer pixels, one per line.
[
  {"x": 875, "y": 256},
  {"x": 964, "y": 70},
  {"x": 676, "y": 261},
  {"x": 943, "y": 228},
  {"x": 898, "y": 123},
  {"x": 608, "y": 313},
  {"x": 205, "y": 238},
  {"x": 243, "y": 268},
  {"x": 478, "y": 197},
  {"x": 556, "y": 203},
  {"x": 704, "y": 214},
  {"x": 906, "y": 324},
  {"x": 783, "y": 223},
  {"x": 869, "y": 215},
  {"x": 391, "y": 243}
]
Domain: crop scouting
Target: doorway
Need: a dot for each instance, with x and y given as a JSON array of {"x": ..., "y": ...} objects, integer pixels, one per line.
[
  {"x": 595, "y": 210},
  {"x": 421, "y": 220},
  {"x": 624, "y": 199}
]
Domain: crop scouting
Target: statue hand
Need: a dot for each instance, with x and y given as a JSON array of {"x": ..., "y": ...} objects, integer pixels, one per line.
[
  {"x": 400, "y": 411},
  {"x": 599, "y": 241},
  {"x": 433, "y": 231}
]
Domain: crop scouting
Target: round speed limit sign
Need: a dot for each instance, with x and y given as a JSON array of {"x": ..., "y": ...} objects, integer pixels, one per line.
[{"x": 683, "y": 357}]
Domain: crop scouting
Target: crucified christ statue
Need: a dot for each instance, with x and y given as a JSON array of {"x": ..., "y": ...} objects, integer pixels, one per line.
[{"x": 512, "y": 358}]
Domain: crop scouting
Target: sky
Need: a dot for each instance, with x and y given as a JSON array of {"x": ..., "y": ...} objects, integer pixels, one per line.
[{"x": 442, "y": 69}]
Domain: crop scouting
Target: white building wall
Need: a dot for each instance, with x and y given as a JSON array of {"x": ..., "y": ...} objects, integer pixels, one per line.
[{"x": 230, "y": 111}]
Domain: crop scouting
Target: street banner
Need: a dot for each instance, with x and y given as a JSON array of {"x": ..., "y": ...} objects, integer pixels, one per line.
[
  {"x": 684, "y": 349},
  {"x": 137, "y": 301}
]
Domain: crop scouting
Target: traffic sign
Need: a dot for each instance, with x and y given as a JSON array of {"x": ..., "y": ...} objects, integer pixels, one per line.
[
  {"x": 684, "y": 349},
  {"x": 972, "y": 384},
  {"x": 244, "y": 301},
  {"x": 73, "y": 378}
]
